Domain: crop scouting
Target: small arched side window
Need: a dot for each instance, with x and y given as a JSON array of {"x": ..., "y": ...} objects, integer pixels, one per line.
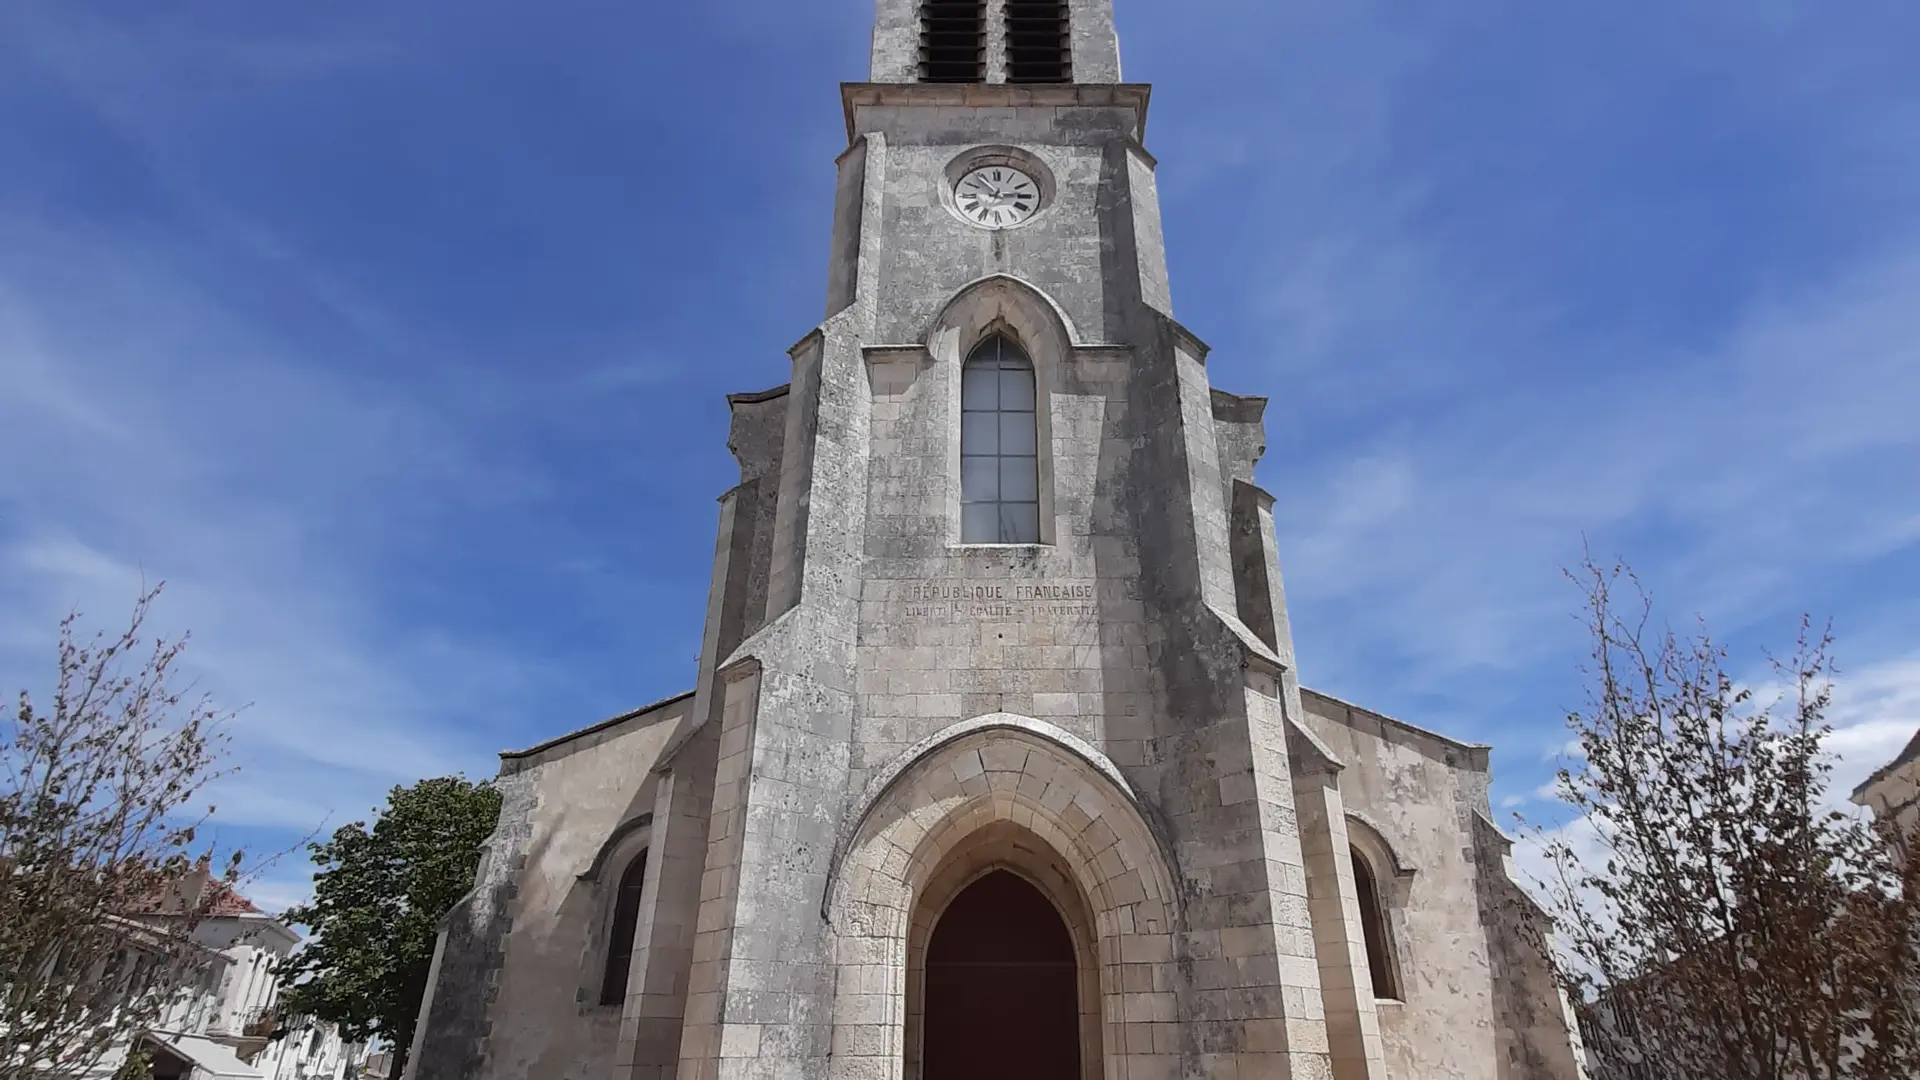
[
  {"x": 626, "y": 922},
  {"x": 999, "y": 446},
  {"x": 1373, "y": 926}
]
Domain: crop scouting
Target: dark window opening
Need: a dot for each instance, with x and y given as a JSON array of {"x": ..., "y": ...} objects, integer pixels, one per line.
[
  {"x": 1038, "y": 46},
  {"x": 1373, "y": 926},
  {"x": 953, "y": 41},
  {"x": 999, "y": 447},
  {"x": 626, "y": 923}
]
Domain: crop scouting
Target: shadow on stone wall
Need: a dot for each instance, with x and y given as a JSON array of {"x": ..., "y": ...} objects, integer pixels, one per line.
[{"x": 456, "y": 1018}]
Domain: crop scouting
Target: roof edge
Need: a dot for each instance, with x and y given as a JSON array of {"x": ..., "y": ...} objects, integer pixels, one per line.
[
  {"x": 758, "y": 396},
  {"x": 1911, "y": 753},
  {"x": 521, "y": 755},
  {"x": 1415, "y": 728}
]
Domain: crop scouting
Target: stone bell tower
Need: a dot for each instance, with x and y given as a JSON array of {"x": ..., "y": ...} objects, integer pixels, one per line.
[
  {"x": 996, "y": 763},
  {"x": 996, "y": 598}
]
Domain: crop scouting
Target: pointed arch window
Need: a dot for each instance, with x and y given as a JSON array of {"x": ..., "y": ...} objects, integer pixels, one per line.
[
  {"x": 1373, "y": 927},
  {"x": 999, "y": 446},
  {"x": 1038, "y": 46},
  {"x": 626, "y": 923},
  {"x": 953, "y": 41}
]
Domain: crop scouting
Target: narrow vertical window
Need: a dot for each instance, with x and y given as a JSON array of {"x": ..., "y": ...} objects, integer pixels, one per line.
[
  {"x": 953, "y": 41},
  {"x": 1373, "y": 926},
  {"x": 999, "y": 447},
  {"x": 626, "y": 922},
  {"x": 1039, "y": 48}
]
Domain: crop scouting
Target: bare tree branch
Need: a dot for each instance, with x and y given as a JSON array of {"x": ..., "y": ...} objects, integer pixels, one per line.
[
  {"x": 100, "y": 888},
  {"x": 1729, "y": 924}
]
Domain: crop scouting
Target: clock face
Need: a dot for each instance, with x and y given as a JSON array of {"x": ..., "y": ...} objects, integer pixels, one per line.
[{"x": 997, "y": 196}]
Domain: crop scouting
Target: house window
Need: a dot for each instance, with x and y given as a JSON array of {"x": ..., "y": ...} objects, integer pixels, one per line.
[
  {"x": 1373, "y": 926},
  {"x": 953, "y": 41},
  {"x": 1038, "y": 49},
  {"x": 999, "y": 447},
  {"x": 626, "y": 922}
]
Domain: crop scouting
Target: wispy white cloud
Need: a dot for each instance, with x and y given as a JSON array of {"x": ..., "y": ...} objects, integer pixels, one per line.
[
  {"x": 1875, "y": 713},
  {"x": 1478, "y": 431},
  {"x": 1769, "y": 458},
  {"x": 156, "y": 436},
  {"x": 1514, "y": 301},
  {"x": 298, "y": 452},
  {"x": 354, "y": 509}
]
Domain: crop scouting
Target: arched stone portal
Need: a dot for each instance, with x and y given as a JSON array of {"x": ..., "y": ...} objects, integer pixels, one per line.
[
  {"x": 1001, "y": 986},
  {"x": 990, "y": 795}
]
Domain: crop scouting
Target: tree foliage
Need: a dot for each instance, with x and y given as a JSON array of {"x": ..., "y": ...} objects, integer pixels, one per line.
[
  {"x": 99, "y": 892},
  {"x": 1716, "y": 915},
  {"x": 378, "y": 899},
  {"x": 137, "y": 1066}
]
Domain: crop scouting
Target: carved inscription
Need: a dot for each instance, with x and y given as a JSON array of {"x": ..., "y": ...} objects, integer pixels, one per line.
[{"x": 999, "y": 601}]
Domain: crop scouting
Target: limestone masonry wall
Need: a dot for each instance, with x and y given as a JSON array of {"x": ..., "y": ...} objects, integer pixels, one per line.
[
  {"x": 1424, "y": 798},
  {"x": 539, "y": 1011}
]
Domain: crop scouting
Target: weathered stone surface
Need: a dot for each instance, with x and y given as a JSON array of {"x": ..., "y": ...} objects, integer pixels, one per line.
[
  {"x": 882, "y": 712},
  {"x": 519, "y": 966}
]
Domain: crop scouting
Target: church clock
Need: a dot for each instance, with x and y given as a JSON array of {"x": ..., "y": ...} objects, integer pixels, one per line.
[{"x": 997, "y": 196}]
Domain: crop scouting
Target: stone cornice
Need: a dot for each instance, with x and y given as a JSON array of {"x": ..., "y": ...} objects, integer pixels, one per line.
[
  {"x": 1475, "y": 753},
  {"x": 998, "y": 95},
  {"x": 759, "y": 396}
]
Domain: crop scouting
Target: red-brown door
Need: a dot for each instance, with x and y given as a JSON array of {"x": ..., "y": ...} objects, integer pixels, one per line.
[{"x": 1002, "y": 995}]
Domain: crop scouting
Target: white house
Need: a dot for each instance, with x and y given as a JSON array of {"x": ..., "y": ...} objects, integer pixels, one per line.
[{"x": 223, "y": 1025}]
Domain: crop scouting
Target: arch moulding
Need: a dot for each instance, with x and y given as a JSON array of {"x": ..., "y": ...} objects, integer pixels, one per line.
[
  {"x": 1367, "y": 834},
  {"x": 996, "y": 792},
  {"x": 1038, "y": 321},
  {"x": 1042, "y": 329},
  {"x": 1039, "y": 732}
]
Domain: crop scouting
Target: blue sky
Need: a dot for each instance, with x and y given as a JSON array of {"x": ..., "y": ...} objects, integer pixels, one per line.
[{"x": 394, "y": 336}]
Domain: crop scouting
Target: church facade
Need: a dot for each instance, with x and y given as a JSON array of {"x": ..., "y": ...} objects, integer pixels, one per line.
[{"x": 997, "y": 761}]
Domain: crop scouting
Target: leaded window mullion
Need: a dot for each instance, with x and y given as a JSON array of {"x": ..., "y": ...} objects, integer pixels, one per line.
[{"x": 999, "y": 446}]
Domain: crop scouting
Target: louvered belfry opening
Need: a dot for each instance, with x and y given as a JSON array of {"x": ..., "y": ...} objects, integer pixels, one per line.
[
  {"x": 953, "y": 41},
  {"x": 1039, "y": 49}
]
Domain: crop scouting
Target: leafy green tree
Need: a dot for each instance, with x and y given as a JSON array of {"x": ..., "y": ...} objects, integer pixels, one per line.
[
  {"x": 138, "y": 1066},
  {"x": 378, "y": 899}
]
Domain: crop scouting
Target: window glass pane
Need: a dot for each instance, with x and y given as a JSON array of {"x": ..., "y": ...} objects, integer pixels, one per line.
[
  {"x": 999, "y": 437},
  {"x": 1019, "y": 523},
  {"x": 1016, "y": 433},
  {"x": 979, "y": 433},
  {"x": 626, "y": 920},
  {"x": 1016, "y": 388},
  {"x": 980, "y": 523},
  {"x": 978, "y": 386},
  {"x": 979, "y": 479},
  {"x": 1019, "y": 479}
]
